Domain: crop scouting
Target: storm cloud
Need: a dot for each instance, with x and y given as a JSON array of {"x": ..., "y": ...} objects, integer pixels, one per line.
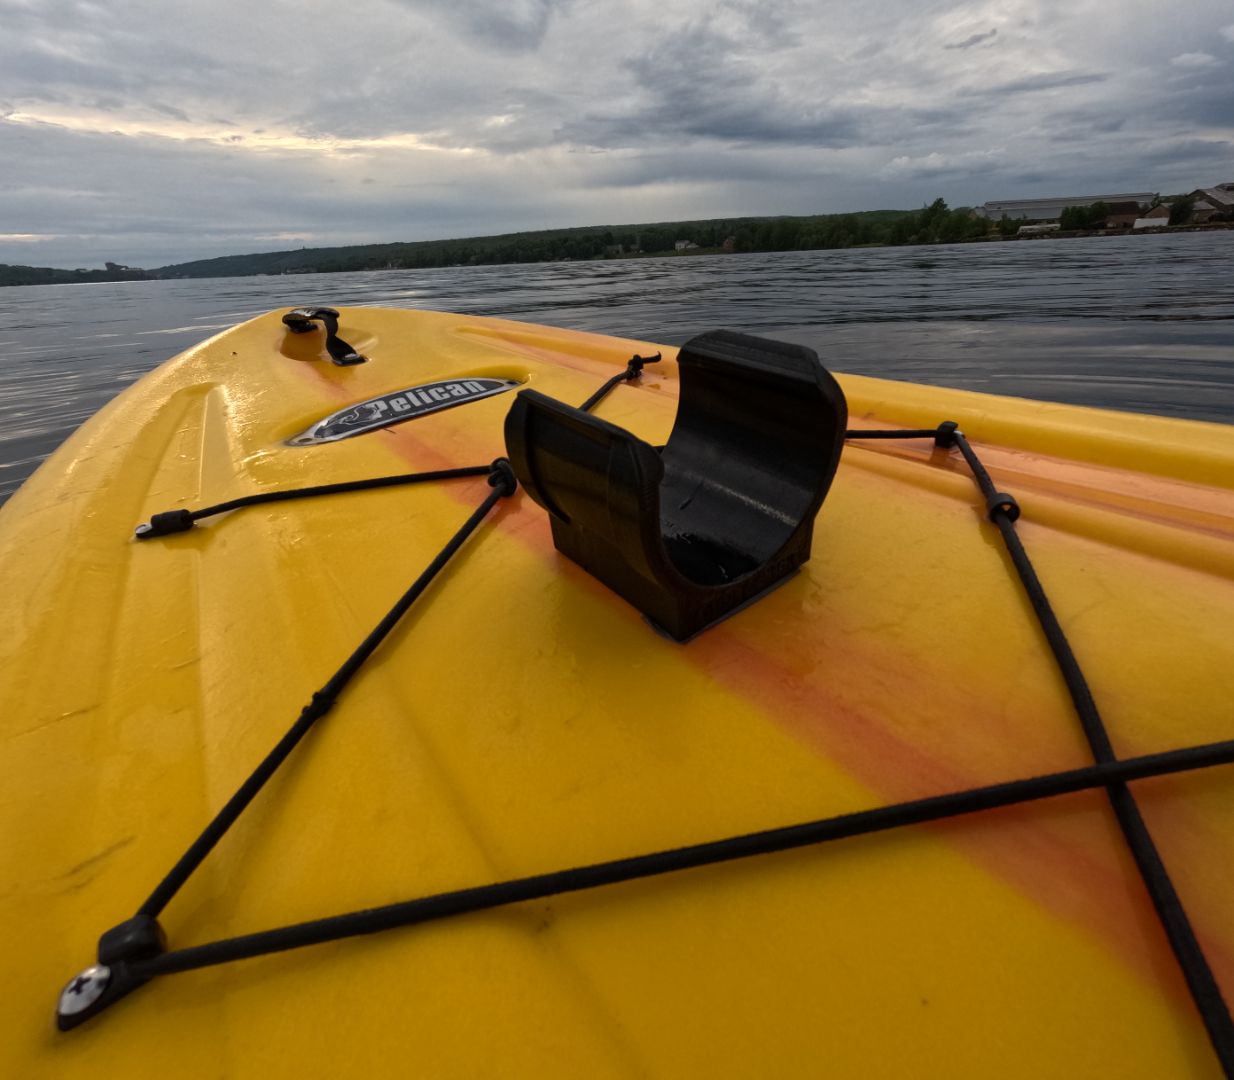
[{"x": 134, "y": 134}]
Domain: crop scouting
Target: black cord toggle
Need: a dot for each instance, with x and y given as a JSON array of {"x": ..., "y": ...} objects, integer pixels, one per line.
[
  {"x": 1002, "y": 504},
  {"x": 635, "y": 366},
  {"x": 138, "y": 938},
  {"x": 164, "y": 524},
  {"x": 502, "y": 477},
  {"x": 319, "y": 704},
  {"x": 944, "y": 438}
]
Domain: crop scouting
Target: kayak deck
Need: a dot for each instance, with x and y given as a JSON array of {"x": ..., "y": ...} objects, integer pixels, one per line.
[{"x": 524, "y": 719}]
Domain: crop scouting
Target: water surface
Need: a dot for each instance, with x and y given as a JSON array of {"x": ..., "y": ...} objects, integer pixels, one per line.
[{"x": 1142, "y": 323}]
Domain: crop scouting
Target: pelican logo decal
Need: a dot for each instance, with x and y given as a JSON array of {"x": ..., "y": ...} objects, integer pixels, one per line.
[{"x": 400, "y": 405}]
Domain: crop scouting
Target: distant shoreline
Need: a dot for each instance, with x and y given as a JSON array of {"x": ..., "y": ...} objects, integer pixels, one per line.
[
  {"x": 16, "y": 276},
  {"x": 993, "y": 238},
  {"x": 504, "y": 249},
  {"x": 1212, "y": 226}
]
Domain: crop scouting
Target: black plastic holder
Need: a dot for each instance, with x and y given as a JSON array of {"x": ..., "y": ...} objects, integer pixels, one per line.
[
  {"x": 724, "y": 512},
  {"x": 302, "y": 320}
]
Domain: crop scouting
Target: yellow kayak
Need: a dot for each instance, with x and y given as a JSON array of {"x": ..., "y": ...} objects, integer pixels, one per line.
[{"x": 526, "y": 718}]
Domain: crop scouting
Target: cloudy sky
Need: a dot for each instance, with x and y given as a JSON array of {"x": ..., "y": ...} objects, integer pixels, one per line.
[{"x": 150, "y": 132}]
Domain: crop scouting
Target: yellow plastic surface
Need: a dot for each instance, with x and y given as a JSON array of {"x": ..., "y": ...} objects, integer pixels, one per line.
[{"x": 523, "y": 718}]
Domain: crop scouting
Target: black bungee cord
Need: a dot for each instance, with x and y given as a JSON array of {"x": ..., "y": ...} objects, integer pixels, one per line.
[{"x": 134, "y": 952}]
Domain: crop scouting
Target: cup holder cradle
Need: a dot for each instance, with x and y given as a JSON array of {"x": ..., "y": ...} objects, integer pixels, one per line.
[{"x": 723, "y": 512}]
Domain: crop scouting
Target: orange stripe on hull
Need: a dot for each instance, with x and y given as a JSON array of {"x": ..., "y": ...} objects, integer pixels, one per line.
[{"x": 1066, "y": 855}]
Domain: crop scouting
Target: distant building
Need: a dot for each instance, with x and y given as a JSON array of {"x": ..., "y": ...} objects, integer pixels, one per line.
[
  {"x": 1156, "y": 218},
  {"x": 1052, "y": 209},
  {"x": 1122, "y": 215},
  {"x": 1220, "y": 198},
  {"x": 1202, "y": 211},
  {"x": 685, "y": 245},
  {"x": 1037, "y": 230}
]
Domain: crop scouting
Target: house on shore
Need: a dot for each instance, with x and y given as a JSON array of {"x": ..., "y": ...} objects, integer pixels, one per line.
[
  {"x": 1123, "y": 215},
  {"x": 1202, "y": 212},
  {"x": 1212, "y": 201}
]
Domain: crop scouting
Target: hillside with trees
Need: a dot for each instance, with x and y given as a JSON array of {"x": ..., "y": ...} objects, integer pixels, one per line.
[
  {"x": 49, "y": 275},
  {"x": 935, "y": 223}
]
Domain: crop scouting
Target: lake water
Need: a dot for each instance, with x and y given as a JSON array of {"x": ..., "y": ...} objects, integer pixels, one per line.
[{"x": 1142, "y": 323}]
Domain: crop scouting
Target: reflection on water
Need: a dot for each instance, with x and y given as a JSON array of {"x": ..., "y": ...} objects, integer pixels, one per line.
[{"x": 1144, "y": 323}]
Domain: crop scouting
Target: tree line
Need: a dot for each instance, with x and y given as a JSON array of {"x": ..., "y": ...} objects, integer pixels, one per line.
[
  {"x": 935, "y": 223},
  {"x": 50, "y": 275}
]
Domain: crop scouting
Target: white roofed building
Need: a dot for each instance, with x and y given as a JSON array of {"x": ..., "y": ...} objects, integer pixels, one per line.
[
  {"x": 1052, "y": 209},
  {"x": 1156, "y": 218}
]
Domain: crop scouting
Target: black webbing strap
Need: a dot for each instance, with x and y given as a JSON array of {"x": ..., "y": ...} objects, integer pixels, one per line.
[
  {"x": 1003, "y": 511},
  {"x": 174, "y": 521},
  {"x": 633, "y": 370}
]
